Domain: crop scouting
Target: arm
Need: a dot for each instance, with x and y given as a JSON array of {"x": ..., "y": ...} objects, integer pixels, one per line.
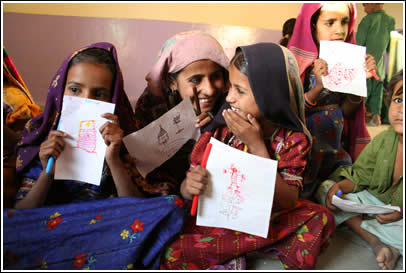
[
  {"x": 345, "y": 186},
  {"x": 113, "y": 135},
  {"x": 36, "y": 197},
  {"x": 319, "y": 69}
]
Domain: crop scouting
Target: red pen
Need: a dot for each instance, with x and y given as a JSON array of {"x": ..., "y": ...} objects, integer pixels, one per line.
[
  {"x": 372, "y": 71},
  {"x": 203, "y": 164}
]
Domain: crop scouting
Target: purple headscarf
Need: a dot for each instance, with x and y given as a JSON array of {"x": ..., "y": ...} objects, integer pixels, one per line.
[{"x": 37, "y": 129}]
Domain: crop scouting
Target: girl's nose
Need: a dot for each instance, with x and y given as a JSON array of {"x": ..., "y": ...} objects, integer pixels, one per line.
[
  {"x": 208, "y": 88},
  {"x": 230, "y": 96}
]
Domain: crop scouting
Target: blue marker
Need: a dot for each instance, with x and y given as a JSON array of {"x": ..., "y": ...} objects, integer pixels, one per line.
[
  {"x": 339, "y": 193},
  {"x": 50, "y": 160}
]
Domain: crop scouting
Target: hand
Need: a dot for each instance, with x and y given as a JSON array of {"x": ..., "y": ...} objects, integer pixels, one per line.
[
  {"x": 203, "y": 119},
  {"x": 113, "y": 136},
  {"x": 195, "y": 182},
  {"x": 369, "y": 65},
  {"x": 333, "y": 190},
  {"x": 389, "y": 217},
  {"x": 53, "y": 146},
  {"x": 247, "y": 130},
  {"x": 320, "y": 68}
]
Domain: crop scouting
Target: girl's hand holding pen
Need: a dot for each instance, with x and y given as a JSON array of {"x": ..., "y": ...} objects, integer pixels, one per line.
[
  {"x": 53, "y": 146},
  {"x": 195, "y": 182},
  {"x": 370, "y": 67}
]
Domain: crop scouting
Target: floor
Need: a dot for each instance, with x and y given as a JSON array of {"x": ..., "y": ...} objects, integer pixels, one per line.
[{"x": 347, "y": 251}]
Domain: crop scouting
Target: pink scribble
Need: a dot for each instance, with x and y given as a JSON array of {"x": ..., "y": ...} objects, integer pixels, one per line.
[
  {"x": 340, "y": 76},
  {"x": 87, "y": 136},
  {"x": 233, "y": 197}
]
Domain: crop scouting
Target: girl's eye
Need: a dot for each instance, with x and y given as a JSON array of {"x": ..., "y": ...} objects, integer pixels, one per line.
[
  {"x": 398, "y": 100},
  {"x": 101, "y": 94},
  {"x": 74, "y": 89},
  {"x": 195, "y": 80},
  {"x": 345, "y": 22},
  {"x": 240, "y": 91},
  {"x": 217, "y": 75}
]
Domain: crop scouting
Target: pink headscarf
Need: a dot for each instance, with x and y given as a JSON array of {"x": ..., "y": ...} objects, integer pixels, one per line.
[
  {"x": 305, "y": 50},
  {"x": 181, "y": 50},
  {"x": 302, "y": 45}
]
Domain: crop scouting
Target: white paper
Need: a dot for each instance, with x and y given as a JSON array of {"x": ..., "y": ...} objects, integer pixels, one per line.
[
  {"x": 83, "y": 156},
  {"x": 346, "y": 67},
  {"x": 351, "y": 206},
  {"x": 161, "y": 139},
  {"x": 240, "y": 192}
]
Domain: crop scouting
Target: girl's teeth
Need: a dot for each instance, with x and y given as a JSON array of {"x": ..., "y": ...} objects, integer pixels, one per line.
[{"x": 203, "y": 100}]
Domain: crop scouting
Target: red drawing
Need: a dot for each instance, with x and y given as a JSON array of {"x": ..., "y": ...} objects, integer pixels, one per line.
[
  {"x": 87, "y": 136},
  {"x": 339, "y": 75},
  {"x": 233, "y": 197}
]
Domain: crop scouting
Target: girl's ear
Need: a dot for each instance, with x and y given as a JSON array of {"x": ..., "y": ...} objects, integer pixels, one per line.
[{"x": 173, "y": 84}]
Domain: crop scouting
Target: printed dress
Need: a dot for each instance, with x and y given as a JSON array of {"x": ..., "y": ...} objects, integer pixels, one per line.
[{"x": 296, "y": 235}]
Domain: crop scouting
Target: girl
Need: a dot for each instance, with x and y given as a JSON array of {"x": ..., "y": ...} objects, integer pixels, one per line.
[
  {"x": 265, "y": 117},
  {"x": 186, "y": 60},
  {"x": 371, "y": 181},
  {"x": 112, "y": 233},
  {"x": 335, "y": 120}
]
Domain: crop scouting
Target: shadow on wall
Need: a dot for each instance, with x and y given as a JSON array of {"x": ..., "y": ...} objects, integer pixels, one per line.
[{"x": 39, "y": 43}]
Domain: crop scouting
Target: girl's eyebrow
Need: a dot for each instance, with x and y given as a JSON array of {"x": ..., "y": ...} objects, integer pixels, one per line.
[{"x": 73, "y": 82}]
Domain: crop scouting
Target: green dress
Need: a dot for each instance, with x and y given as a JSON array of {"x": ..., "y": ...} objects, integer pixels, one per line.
[{"x": 374, "y": 33}]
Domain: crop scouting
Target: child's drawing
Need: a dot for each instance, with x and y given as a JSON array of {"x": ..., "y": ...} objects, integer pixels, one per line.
[
  {"x": 176, "y": 121},
  {"x": 163, "y": 136},
  {"x": 233, "y": 198},
  {"x": 87, "y": 136},
  {"x": 340, "y": 75}
]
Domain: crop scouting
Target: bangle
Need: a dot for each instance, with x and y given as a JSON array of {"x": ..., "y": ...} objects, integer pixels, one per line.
[{"x": 309, "y": 102}]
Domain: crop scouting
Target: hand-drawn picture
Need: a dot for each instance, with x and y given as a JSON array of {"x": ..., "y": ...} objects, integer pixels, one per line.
[
  {"x": 176, "y": 121},
  {"x": 232, "y": 198},
  {"x": 163, "y": 136},
  {"x": 87, "y": 136},
  {"x": 340, "y": 75}
]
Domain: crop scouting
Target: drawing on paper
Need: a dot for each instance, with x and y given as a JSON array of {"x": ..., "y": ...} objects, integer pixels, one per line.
[
  {"x": 163, "y": 136},
  {"x": 176, "y": 121},
  {"x": 233, "y": 198},
  {"x": 87, "y": 136},
  {"x": 340, "y": 76}
]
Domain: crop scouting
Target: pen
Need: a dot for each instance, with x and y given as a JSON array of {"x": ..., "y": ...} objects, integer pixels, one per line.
[
  {"x": 372, "y": 71},
  {"x": 339, "y": 193},
  {"x": 203, "y": 164},
  {"x": 198, "y": 110},
  {"x": 51, "y": 159}
]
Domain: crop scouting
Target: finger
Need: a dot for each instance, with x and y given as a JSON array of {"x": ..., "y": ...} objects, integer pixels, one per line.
[
  {"x": 253, "y": 121},
  {"x": 57, "y": 133}
]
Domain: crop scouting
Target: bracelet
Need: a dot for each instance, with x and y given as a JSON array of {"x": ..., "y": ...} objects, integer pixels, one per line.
[{"x": 309, "y": 102}]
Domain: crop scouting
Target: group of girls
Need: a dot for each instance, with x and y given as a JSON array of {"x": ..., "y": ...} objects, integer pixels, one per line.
[{"x": 254, "y": 103}]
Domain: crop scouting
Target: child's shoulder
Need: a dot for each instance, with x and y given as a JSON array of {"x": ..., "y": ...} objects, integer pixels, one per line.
[{"x": 384, "y": 135}]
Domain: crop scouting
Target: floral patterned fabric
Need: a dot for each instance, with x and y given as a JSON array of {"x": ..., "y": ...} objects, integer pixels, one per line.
[
  {"x": 296, "y": 236},
  {"x": 114, "y": 233}
]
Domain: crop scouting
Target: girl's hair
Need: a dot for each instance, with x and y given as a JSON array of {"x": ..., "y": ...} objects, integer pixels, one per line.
[
  {"x": 391, "y": 85},
  {"x": 239, "y": 62},
  {"x": 287, "y": 31},
  {"x": 97, "y": 56}
]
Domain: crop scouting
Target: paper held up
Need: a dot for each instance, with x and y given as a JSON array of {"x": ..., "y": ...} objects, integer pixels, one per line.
[
  {"x": 240, "y": 192},
  {"x": 161, "y": 139},
  {"x": 83, "y": 156},
  {"x": 346, "y": 67},
  {"x": 347, "y": 205}
]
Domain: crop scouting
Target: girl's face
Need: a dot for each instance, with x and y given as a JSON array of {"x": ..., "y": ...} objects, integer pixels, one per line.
[
  {"x": 89, "y": 80},
  {"x": 395, "y": 112},
  {"x": 207, "y": 76},
  {"x": 240, "y": 95},
  {"x": 333, "y": 22}
]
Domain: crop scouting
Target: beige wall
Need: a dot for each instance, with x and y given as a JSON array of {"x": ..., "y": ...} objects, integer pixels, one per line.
[{"x": 259, "y": 15}]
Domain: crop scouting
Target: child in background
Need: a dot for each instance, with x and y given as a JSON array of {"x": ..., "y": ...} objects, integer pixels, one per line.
[
  {"x": 376, "y": 178},
  {"x": 287, "y": 31},
  {"x": 335, "y": 120},
  {"x": 265, "y": 117},
  {"x": 62, "y": 231}
]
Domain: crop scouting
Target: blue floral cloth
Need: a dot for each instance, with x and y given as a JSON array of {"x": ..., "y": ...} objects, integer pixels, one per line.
[{"x": 113, "y": 233}]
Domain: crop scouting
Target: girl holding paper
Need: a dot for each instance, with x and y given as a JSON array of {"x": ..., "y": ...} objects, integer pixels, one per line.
[
  {"x": 335, "y": 120},
  {"x": 264, "y": 116},
  {"x": 376, "y": 178},
  {"x": 186, "y": 61},
  {"x": 62, "y": 231}
]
